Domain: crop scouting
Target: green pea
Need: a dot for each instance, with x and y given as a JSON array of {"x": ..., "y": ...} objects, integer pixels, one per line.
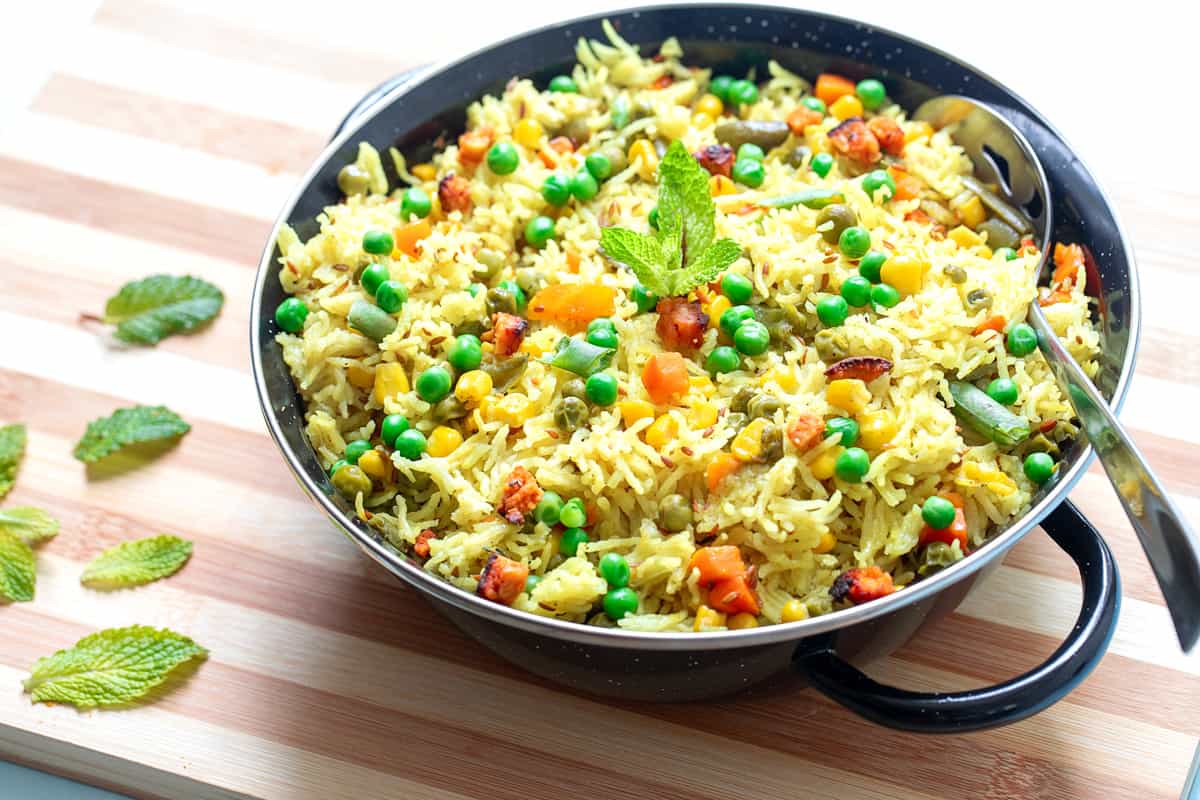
[
  {"x": 732, "y": 319},
  {"x": 549, "y": 508},
  {"x": 832, "y": 310},
  {"x": 1003, "y": 391},
  {"x": 290, "y": 315},
  {"x": 571, "y": 538},
  {"x": 433, "y": 384},
  {"x": 372, "y": 276},
  {"x": 574, "y": 515},
  {"x": 751, "y": 151},
  {"x": 815, "y": 104},
  {"x": 601, "y": 324},
  {"x": 603, "y": 337},
  {"x": 393, "y": 425},
  {"x": 335, "y": 466},
  {"x": 584, "y": 186},
  {"x": 645, "y": 299},
  {"x": 752, "y": 338},
  {"x": 466, "y": 353},
  {"x": 884, "y": 294},
  {"x": 821, "y": 164},
  {"x": 556, "y": 190},
  {"x": 722, "y": 359},
  {"x": 601, "y": 389},
  {"x": 615, "y": 570},
  {"x": 871, "y": 92},
  {"x": 620, "y": 603},
  {"x": 743, "y": 93},
  {"x": 843, "y": 427},
  {"x": 531, "y": 583},
  {"x": 855, "y": 241},
  {"x": 410, "y": 444},
  {"x": 503, "y": 158},
  {"x": 852, "y": 465},
  {"x": 749, "y": 172},
  {"x": 1039, "y": 467},
  {"x": 378, "y": 243},
  {"x": 562, "y": 83},
  {"x": 598, "y": 165},
  {"x": 475, "y": 288},
  {"x": 1022, "y": 339},
  {"x": 738, "y": 288},
  {"x": 938, "y": 513},
  {"x": 1007, "y": 253},
  {"x": 415, "y": 203},
  {"x": 879, "y": 179},
  {"x": 353, "y": 179},
  {"x": 351, "y": 481},
  {"x": 856, "y": 290},
  {"x": 539, "y": 230},
  {"x": 652, "y": 218},
  {"x": 720, "y": 86},
  {"x": 354, "y": 450},
  {"x": 518, "y": 294},
  {"x": 390, "y": 296}
]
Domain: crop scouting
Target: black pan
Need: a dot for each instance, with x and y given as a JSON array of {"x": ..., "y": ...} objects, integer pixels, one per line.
[{"x": 411, "y": 113}]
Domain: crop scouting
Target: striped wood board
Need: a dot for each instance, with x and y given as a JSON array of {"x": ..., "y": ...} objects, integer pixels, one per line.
[{"x": 163, "y": 139}]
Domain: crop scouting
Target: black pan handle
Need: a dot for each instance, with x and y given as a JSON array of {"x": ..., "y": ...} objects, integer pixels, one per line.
[{"x": 1016, "y": 699}]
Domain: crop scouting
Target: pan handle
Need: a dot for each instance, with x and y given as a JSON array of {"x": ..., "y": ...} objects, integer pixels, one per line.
[{"x": 1013, "y": 700}]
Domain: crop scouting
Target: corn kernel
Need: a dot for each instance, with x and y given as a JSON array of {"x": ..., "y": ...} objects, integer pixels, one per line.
[
  {"x": 662, "y": 431},
  {"x": 747, "y": 445},
  {"x": 360, "y": 377},
  {"x": 710, "y": 104},
  {"x": 992, "y": 479},
  {"x": 673, "y": 122},
  {"x": 707, "y": 619},
  {"x": 633, "y": 410},
  {"x": 917, "y": 130},
  {"x": 904, "y": 272},
  {"x": 849, "y": 394},
  {"x": 742, "y": 621},
  {"x": 528, "y": 132},
  {"x": 702, "y": 414},
  {"x": 375, "y": 465},
  {"x": 793, "y": 611},
  {"x": 443, "y": 441},
  {"x": 828, "y": 540},
  {"x": 822, "y": 466},
  {"x": 985, "y": 251},
  {"x": 514, "y": 409},
  {"x": 971, "y": 212},
  {"x": 472, "y": 387},
  {"x": 876, "y": 429},
  {"x": 702, "y": 384},
  {"x": 780, "y": 376},
  {"x": 643, "y": 149},
  {"x": 702, "y": 120},
  {"x": 425, "y": 172},
  {"x": 719, "y": 305},
  {"x": 964, "y": 236},
  {"x": 720, "y": 185},
  {"x": 845, "y": 107},
  {"x": 390, "y": 380}
]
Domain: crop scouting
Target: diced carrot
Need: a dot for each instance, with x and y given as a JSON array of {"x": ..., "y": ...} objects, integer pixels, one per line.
[
  {"x": 1068, "y": 258},
  {"x": 802, "y": 118},
  {"x": 665, "y": 377},
  {"x": 806, "y": 431},
  {"x": 957, "y": 530},
  {"x": 862, "y": 584},
  {"x": 421, "y": 544},
  {"x": 547, "y": 158},
  {"x": 408, "y": 237},
  {"x": 502, "y": 579},
  {"x": 473, "y": 145},
  {"x": 662, "y": 81},
  {"x": 561, "y": 145},
  {"x": 573, "y": 261},
  {"x": 717, "y": 563},
  {"x": 521, "y": 494},
  {"x": 721, "y": 467},
  {"x": 995, "y": 323},
  {"x": 1057, "y": 296},
  {"x": 830, "y": 87},
  {"x": 908, "y": 187},
  {"x": 733, "y": 596},
  {"x": 889, "y": 134},
  {"x": 572, "y": 306}
]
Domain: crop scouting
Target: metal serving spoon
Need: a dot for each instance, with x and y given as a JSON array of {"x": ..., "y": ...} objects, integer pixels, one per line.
[{"x": 1003, "y": 156}]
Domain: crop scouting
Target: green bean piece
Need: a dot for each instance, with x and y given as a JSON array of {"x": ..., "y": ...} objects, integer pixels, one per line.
[
  {"x": 370, "y": 320},
  {"x": 809, "y": 198},
  {"x": 580, "y": 356},
  {"x": 985, "y": 416}
]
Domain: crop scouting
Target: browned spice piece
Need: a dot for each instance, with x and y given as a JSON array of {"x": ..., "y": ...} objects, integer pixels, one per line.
[
  {"x": 502, "y": 579},
  {"x": 716, "y": 158},
  {"x": 521, "y": 496},
  {"x": 421, "y": 545},
  {"x": 864, "y": 368},
  {"x": 854, "y": 139},
  {"x": 454, "y": 193},
  {"x": 681, "y": 324},
  {"x": 507, "y": 333},
  {"x": 862, "y": 584}
]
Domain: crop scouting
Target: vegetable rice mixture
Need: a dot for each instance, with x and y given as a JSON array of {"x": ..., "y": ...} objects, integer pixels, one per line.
[{"x": 655, "y": 348}]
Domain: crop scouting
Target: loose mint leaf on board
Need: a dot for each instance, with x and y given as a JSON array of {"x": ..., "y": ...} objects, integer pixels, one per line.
[
  {"x": 137, "y": 562},
  {"x": 128, "y": 426},
  {"x": 18, "y": 570},
  {"x": 12, "y": 450},
  {"x": 149, "y": 310},
  {"x": 32, "y": 526}
]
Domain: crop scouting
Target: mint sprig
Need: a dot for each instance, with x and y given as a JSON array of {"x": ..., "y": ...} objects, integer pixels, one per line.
[{"x": 682, "y": 254}]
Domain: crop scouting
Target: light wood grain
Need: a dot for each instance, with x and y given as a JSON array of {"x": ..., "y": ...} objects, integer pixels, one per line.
[{"x": 164, "y": 139}]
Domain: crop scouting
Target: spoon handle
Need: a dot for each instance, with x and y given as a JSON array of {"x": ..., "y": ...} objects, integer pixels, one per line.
[{"x": 1170, "y": 544}]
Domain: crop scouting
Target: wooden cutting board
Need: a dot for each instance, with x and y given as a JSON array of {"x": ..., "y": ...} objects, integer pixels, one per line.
[{"x": 163, "y": 139}]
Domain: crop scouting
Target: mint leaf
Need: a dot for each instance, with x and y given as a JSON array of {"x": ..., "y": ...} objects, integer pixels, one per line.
[
  {"x": 149, "y": 310},
  {"x": 18, "y": 571},
  {"x": 31, "y": 525},
  {"x": 110, "y": 667},
  {"x": 138, "y": 562},
  {"x": 641, "y": 253},
  {"x": 711, "y": 263},
  {"x": 684, "y": 204},
  {"x": 12, "y": 450},
  {"x": 128, "y": 426}
]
